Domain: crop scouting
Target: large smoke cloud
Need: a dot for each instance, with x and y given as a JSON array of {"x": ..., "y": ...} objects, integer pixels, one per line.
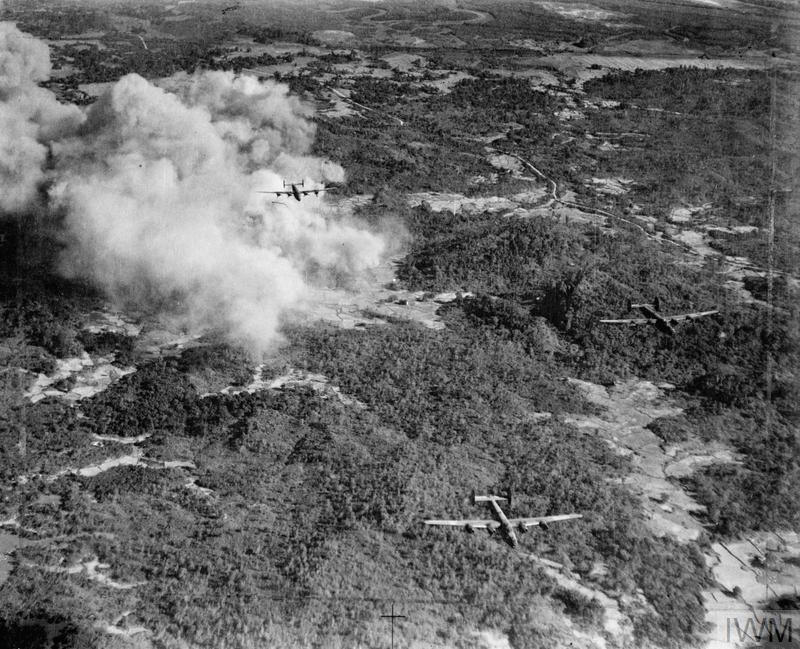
[
  {"x": 158, "y": 187},
  {"x": 29, "y": 116}
]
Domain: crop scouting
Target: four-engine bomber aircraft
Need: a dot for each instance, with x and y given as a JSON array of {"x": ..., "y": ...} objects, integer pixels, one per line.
[
  {"x": 662, "y": 322},
  {"x": 502, "y": 523},
  {"x": 294, "y": 191}
]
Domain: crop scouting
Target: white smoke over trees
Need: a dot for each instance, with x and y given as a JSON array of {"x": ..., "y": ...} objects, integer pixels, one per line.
[
  {"x": 29, "y": 116},
  {"x": 157, "y": 184}
]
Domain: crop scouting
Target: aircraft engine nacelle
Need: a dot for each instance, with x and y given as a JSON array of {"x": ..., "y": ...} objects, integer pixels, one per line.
[
  {"x": 544, "y": 526},
  {"x": 490, "y": 530},
  {"x": 469, "y": 529},
  {"x": 522, "y": 528}
]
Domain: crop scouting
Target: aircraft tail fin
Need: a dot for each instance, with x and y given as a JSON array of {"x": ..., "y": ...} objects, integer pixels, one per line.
[{"x": 655, "y": 305}]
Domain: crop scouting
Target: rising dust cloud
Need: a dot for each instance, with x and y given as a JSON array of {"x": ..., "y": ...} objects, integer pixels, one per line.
[{"x": 155, "y": 186}]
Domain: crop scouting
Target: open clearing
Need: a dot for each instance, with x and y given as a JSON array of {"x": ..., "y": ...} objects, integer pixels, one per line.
[{"x": 628, "y": 408}]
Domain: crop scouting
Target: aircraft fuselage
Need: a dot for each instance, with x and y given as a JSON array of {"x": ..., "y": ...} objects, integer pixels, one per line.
[
  {"x": 295, "y": 192},
  {"x": 662, "y": 324},
  {"x": 505, "y": 526}
]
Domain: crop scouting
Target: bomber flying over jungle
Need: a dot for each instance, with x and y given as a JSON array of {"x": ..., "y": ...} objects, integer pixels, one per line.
[
  {"x": 294, "y": 190},
  {"x": 664, "y": 323},
  {"x": 501, "y": 523}
]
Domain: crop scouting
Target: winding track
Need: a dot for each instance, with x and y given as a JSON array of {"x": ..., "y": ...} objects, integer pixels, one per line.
[
  {"x": 555, "y": 198},
  {"x": 734, "y": 264}
]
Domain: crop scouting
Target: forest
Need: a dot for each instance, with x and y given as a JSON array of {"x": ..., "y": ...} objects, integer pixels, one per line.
[
  {"x": 308, "y": 478},
  {"x": 291, "y": 515}
]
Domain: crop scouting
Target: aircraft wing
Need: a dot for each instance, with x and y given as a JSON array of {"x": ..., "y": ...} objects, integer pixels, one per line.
[
  {"x": 689, "y": 316},
  {"x": 631, "y": 321},
  {"x": 477, "y": 524},
  {"x": 303, "y": 192},
  {"x": 538, "y": 520}
]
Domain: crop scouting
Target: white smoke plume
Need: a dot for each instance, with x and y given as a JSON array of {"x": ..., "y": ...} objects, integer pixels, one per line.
[
  {"x": 158, "y": 184},
  {"x": 29, "y": 116}
]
